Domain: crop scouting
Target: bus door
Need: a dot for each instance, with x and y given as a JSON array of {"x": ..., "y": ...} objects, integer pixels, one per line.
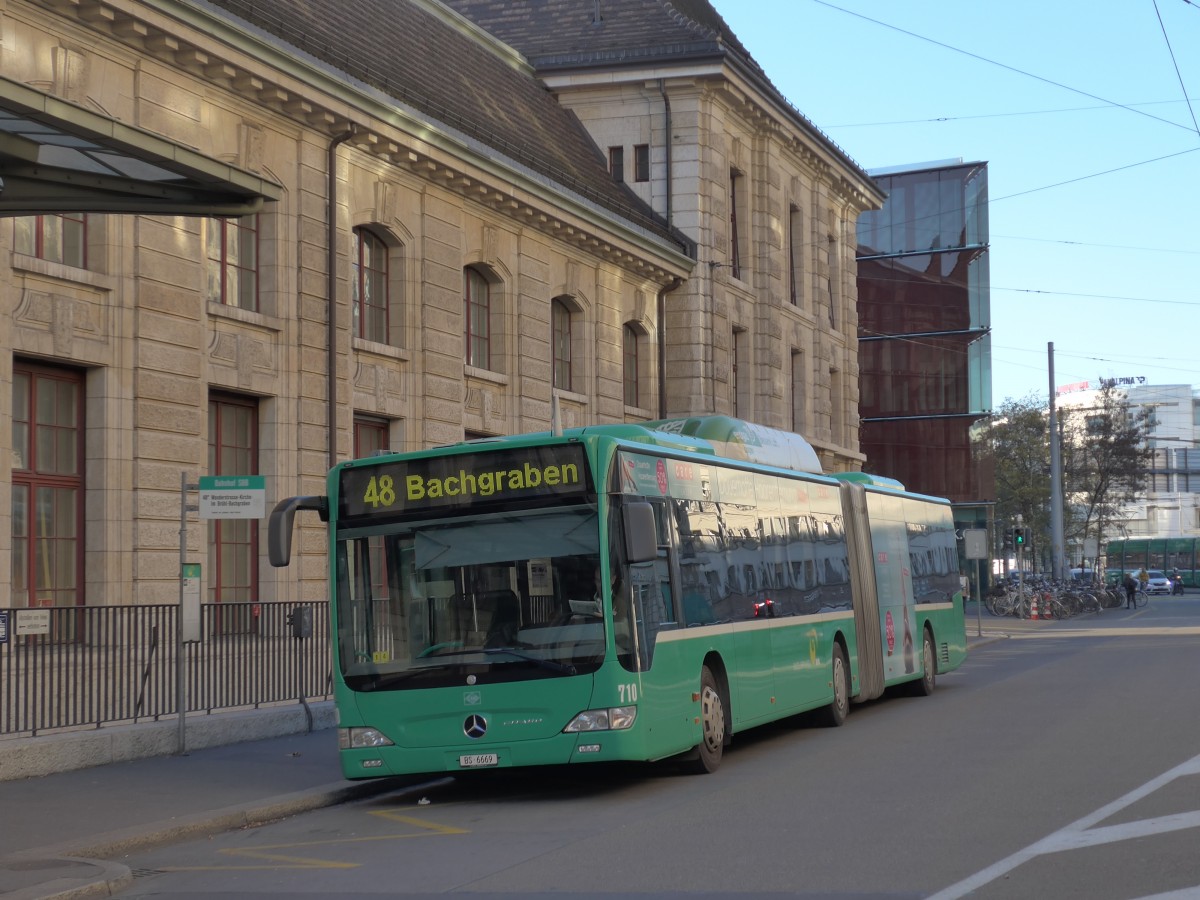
[{"x": 650, "y": 596}]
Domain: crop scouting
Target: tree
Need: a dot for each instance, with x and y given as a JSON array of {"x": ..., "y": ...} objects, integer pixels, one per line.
[
  {"x": 1016, "y": 446},
  {"x": 1105, "y": 457}
]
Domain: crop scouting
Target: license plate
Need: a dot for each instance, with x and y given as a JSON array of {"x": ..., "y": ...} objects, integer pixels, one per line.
[{"x": 475, "y": 760}]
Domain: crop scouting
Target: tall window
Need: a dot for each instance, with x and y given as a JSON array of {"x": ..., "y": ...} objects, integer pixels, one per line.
[
  {"x": 56, "y": 237},
  {"x": 370, "y": 436},
  {"x": 735, "y": 243},
  {"x": 837, "y": 408},
  {"x": 233, "y": 543},
  {"x": 798, "y": 389},
  {"x": 477, "y": 315},
  {"x": 560, "y": 327},
  {"x": 641, "y": 162},
  {"x": 47, "y": 487},
  {"x": 835, "y": 273},
  {"x": 795, "y": 250},
  {"x": 739, "y": 381},
  {"x": 616, "y": 163},
  {"x": 370, "y": 287},
  {"x": 629, "y": 357},
  {"x": 231, "y": 248}
]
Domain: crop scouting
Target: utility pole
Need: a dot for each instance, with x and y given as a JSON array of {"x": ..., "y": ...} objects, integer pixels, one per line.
[{"x": 1056, "y": 492}]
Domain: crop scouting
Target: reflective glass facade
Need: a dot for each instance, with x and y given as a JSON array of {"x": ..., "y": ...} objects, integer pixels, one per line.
[{"x": 924, "y": 320}]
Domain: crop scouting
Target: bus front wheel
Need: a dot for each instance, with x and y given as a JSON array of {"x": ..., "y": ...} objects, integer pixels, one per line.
[
  {"x": 837, "y": 710},
  {"x": 924, "y": 687},
  {"x": 712, "y": 725}
]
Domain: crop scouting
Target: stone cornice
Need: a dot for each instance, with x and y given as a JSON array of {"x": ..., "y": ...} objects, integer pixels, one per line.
[{"x": 190, "y": 37}]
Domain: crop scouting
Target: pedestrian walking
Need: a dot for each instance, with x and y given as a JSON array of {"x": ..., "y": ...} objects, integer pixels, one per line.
[{"x": 1131, "y": 587}]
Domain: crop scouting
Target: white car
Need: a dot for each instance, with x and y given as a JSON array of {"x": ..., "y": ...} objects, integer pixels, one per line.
[{"x": 1159, "y": 583}]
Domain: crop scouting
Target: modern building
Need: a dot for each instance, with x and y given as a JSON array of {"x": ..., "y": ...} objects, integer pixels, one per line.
[
  {"x": 766, "y": 328},
  {"x": 924, "y": 325},
  {"x": 1168, "y": 503}
]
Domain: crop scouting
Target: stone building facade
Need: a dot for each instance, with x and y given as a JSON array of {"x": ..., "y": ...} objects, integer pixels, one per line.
[
  {"x": 766, "y": 328},
  {"x": 444, "y": 240}
]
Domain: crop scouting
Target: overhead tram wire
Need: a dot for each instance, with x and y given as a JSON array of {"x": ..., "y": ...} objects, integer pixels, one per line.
[
  {"x": 1027, "y": 112},
  {"x": 1044, "y": 187},
  {"x": 1001, "y": 65},
  {"x": 1175, "y": 63},
  {"x": 1015, "y": 237}
]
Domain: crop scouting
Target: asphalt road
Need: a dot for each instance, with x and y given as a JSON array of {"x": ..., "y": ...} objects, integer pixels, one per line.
[{"x": 1060, "y": 762}]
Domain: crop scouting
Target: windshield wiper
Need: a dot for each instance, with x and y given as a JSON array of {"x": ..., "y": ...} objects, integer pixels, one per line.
[
  {"x": 384, "y": 680},
  {"x": 550, "y": 664}
]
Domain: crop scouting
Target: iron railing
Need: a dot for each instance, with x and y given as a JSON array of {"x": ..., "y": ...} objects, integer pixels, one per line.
[{"x": 70, "y": 667}]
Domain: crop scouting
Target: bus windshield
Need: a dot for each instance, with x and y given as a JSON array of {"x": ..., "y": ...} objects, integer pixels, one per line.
[{"x": 472, "y": 599}]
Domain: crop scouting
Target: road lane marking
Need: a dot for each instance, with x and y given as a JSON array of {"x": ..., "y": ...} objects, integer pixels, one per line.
[
  {"x": 288, "y": 861},
  {"x": 1066, "y": 838}
]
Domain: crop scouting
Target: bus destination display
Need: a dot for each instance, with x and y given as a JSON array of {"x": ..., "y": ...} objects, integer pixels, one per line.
[{"x": 495, "y": 477}]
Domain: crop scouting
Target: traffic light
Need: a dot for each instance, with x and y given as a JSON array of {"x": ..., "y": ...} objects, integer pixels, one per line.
[{"x": 1018, "y": 537}]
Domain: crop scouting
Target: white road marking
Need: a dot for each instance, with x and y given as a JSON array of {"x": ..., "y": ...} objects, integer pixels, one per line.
[
  {"x": 1076, "y": 835},
  {"x": 1105, "y": 632}
]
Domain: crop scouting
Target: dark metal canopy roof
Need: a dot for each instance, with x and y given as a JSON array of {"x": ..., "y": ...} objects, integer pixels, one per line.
[{"x": 56, "y": 156}]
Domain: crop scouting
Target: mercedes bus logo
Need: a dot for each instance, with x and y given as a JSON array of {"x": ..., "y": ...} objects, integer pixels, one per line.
[{"x": 475, "y": 727}]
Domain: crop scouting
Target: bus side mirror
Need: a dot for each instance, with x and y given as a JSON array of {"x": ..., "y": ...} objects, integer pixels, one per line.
[
  {"x": 279, "y": 527},
  {"x": 641, "y": 537}
]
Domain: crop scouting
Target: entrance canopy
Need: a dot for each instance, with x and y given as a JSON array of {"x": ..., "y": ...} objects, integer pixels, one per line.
[{"x": 58, "y": 157}]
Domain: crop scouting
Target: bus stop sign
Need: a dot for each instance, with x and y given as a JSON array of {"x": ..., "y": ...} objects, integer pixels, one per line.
[{"x": 975, "y": 543}]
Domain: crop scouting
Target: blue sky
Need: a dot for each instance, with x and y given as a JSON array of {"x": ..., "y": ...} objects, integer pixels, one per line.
[{"x": 1050, "y": 93}]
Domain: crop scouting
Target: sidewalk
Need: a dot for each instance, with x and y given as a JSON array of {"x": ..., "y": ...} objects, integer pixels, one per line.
[{"x": 59, "y": 833}]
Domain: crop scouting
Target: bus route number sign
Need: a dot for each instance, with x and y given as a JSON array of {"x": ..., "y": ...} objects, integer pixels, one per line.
[{"x": 496, "y": 477}]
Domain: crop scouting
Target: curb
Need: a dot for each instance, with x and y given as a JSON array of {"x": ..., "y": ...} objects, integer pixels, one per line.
[
  {"x": 67, "y": 751},
  {"x": 985, "y": 639}
]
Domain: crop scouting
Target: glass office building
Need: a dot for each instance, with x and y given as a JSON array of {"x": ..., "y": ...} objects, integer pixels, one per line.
[{"x": 924, "y": 332}]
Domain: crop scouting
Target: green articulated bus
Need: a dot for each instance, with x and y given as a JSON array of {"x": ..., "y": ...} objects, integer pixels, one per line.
[{"x": 620, "y": 592}]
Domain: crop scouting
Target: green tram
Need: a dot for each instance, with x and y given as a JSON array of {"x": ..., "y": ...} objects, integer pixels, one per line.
[
  {"x": 619, "y": 592},
  {"x": 1163, "y": 554}
]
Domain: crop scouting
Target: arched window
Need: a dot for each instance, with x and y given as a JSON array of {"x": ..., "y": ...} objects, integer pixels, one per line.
[
  {"x": 629, "y": 359},
  {"x": 477, "y": 312},
  {"x": 370, "y": 287},
  {"x": 560, "y": 338}
]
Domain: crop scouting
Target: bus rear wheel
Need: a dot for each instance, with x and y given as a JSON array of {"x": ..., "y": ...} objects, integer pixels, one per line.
[
  {"x": 835, "y": 713},
  {"x": 712, "y": 725}
]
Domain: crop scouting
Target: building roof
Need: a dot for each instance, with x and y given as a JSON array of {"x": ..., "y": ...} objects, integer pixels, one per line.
[
  {"x": 421, "y": 55},
  {"x": 556, "y": 35},
  {"x": 601, "y": 32}
]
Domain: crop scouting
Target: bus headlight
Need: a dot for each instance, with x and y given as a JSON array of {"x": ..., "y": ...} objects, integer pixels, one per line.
[
  {"x": 361, "y": 738},
  {"x": 616, "y": 718}
]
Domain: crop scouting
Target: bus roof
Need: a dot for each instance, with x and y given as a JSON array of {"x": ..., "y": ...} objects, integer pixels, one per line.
[
  {"x": 737, "y": 439},
  {"x": 866, "y": 478},
  {"x": 719, "y": 436}
]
